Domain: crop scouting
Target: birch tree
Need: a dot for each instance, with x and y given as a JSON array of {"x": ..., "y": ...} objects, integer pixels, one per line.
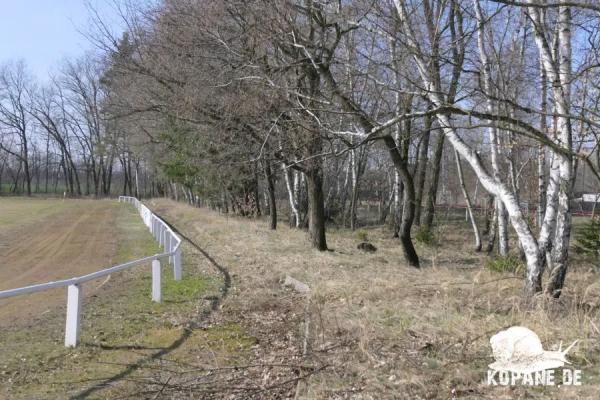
[{"x": 489, "y": 181}]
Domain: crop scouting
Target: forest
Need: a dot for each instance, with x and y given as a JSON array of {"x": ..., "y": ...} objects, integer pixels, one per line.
[{"x": 325, "y": 114}]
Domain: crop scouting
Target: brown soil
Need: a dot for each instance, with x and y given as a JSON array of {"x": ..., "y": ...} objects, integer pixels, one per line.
[{"x": 73, "y": 242}]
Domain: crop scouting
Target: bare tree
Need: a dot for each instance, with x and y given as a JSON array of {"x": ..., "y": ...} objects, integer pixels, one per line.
[{"x": 16, "y": 85}]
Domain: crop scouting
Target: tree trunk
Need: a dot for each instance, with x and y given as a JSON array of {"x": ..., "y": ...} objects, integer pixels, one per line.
[
  {"x": 430, "y": 200},
  {"x": 489, "y": 215},
  {"x": 316, "y": 208},
  {"x": 271, "y": 194},
  {"x": 558, "y": 67},
  {"x": 47, "y": 172},
  {"x": 290, "y": 183},
  {"x": 541, "y": 184},
  {"x": 492, "y": 231},
  {"x": 137, "y": 182},
  {"x": 421, "y": 170},
  {"x": 107, "y": 174},
  {"x": 541, "y": 164},
  {"x": 408, "y": 213},
  {"x": 256, "y": 194},
  {"x": 560, "y": 251},
  {"x": 468, "y": 202},
  {"x": 344, "y": 192},
  {"x": 27, "y": 175},
  {"x": 130, "y": 175},
  {"x": 354, "y": 194},
  {"x": 502, "y": 223}
]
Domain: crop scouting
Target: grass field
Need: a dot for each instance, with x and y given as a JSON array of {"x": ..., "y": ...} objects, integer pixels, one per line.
[
  {"x": 120, "y": 327},
  {"x": 45, "y": 240},
  {"x": 372, "y": 328},
  {"x": 18, "y": 211}
]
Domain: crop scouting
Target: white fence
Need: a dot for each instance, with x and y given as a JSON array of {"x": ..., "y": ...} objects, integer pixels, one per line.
[
  {"x": 591, "y": 197},
  {"x": 166, "y": 238}
]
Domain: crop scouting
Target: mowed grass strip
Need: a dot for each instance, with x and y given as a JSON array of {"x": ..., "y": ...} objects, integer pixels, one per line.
[{"x": 121, "y": 327}]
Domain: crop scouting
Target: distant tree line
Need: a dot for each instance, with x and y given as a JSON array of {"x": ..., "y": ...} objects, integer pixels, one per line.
[{"x": 56, "y": 137}]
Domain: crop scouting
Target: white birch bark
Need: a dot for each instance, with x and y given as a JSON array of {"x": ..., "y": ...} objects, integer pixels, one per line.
[
  {"x": 557, "y": 65},
  {"x": 492, "y": 130},
  {"x": 291, "y": 194},
  {"x": 563, "y": 222},
  {"x": 492, "y": 185},
  {"x": 398, "y": 195},
  {"x": 463, "y": 187},
  {"x": 354, "y": 193},
  {"x": 541, "y": 167},
  {"x": 345, "y": 190}
]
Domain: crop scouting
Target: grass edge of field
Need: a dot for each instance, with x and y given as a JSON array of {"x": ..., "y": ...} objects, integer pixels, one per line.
[{"x": 118, "y": 316}]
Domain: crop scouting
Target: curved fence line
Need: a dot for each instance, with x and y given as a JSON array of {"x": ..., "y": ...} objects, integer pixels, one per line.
[{"x": 170, "y": 242}]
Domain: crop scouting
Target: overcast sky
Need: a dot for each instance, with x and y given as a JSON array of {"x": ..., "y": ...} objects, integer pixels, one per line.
[{"x": 43, "y": 32}]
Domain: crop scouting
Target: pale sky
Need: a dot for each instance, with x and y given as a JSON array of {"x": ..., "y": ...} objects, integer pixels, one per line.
[{"x": 44, "y": 32}]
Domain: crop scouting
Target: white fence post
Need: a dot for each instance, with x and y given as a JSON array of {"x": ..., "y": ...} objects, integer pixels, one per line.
[
  {"x": 167, "y": 240},
  {"x": 156, "y": 281},
  {"x": 168, "y": 243},
  {"x": 177, "y": 265},
  {"x": 74, "y": 297},
  {"x": 173, "y": 244},
  {"x": 170, "y": 247}
]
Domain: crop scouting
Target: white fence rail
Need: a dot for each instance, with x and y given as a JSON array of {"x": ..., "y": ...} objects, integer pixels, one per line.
[
  {"x": 591, "y": 197},
  {"x": 170, "y": 242}
]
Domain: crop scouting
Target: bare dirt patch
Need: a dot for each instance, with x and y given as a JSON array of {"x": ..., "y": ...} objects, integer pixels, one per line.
[{"x": 74, "y": 239}]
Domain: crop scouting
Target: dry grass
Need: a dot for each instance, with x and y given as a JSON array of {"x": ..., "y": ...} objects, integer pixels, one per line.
[
  {"x": 376, "y": 328},
  {"x": 379, "y": 328}
]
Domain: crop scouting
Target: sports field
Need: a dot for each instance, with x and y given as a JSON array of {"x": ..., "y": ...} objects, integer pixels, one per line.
[{"x": 44, "y": 240}]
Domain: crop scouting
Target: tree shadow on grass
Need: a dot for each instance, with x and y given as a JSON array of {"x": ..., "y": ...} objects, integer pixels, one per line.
[{"x": 185, "y": 334}]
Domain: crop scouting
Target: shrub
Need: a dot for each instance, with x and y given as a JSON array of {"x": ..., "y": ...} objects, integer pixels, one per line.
[
  {"x": 588, "y": 239},
  {"x": 509, "y": 263},
  {"x": 362, "y": 235},
  {"x": 425, "y": 236}
]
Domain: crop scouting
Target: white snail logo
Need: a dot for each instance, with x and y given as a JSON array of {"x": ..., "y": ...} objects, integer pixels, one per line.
[{"x": 521, "y": 359}]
